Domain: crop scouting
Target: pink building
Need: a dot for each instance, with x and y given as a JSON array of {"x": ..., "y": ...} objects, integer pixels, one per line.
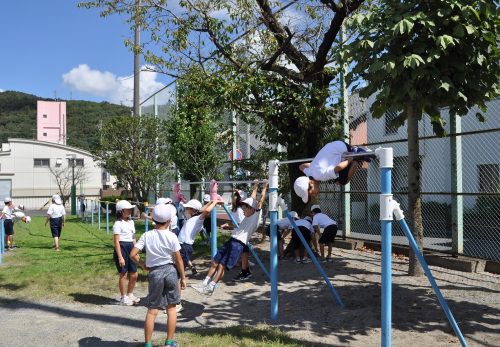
[{"x": 51, "y": 121}]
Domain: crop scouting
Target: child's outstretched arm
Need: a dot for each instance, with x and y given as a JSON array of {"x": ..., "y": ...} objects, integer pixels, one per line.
[
  {"x": 255, "y": 189},
  {"x": 304, "y": 166},
  {"x": 205, "y": 210},
  {"x": 262, "y": 196}
]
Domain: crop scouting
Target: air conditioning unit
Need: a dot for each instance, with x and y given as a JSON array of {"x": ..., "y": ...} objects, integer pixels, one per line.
[{"x": 58, "y": 162}]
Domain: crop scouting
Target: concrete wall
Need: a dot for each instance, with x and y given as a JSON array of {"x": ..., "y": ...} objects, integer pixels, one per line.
[{"x": 51, "y": 121}]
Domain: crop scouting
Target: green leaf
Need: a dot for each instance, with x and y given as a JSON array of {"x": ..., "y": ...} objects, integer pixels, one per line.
[
  {"x": 445, "y": 41},
  {"x": 458, "y": 30},
  {"x": 413, "y": 61},
  {"x": 480, "y": 117},
  {"x": 470, "y": 29}
]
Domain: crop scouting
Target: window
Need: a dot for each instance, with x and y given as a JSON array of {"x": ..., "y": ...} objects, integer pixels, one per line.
[
  {"x": 44, "y": 134},
  {"x": 44, "y": 116},
  {"x": 41, "y": 162},
  {"x": 489, "y": 178},
  {"x": 389, "y": 117},
  {"x": 78, "y": 162}
]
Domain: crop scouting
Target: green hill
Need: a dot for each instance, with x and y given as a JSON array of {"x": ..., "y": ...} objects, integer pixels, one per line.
[{"x": 18, "y": 118}]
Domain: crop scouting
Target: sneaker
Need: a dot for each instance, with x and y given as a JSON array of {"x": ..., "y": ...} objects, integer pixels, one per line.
[
  {"x": 330, "y": 260},
  {"x": 125, "y": 301},
  {"x": 172, "y": 344},
  {"x": 148, "y": 344},
  {"x": 297, "y": 261},
  {"x": 306, "y": 261},
  {"x": 243, "y": 275},
  {"x": 251, "y": 263},
  {"x": 323, "y": 260},
  {"x": 134, "y": 298},
  {"x": 179, "y": 308},
  {"x": 205, "y": 290},
  {"x": 193, "y": 270}
]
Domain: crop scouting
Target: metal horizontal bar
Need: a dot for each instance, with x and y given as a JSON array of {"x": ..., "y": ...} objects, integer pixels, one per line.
[
  {"x": 225, "y": 182},
  {"x": 280, "y": 162}
]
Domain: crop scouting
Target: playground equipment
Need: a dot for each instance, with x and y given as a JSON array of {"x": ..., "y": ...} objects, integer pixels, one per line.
[{"x": 388, "y": 208}]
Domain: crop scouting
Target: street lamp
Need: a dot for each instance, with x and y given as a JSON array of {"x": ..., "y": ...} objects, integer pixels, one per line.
[{"x": 73, "y": 187}]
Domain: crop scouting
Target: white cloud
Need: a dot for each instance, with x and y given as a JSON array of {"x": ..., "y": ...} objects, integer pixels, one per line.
[
  {"x": 115, "y": 89},
  {"x": 1, "y": 90}
]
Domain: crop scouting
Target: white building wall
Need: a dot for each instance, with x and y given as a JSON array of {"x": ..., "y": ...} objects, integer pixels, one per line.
[{"x": 17, "y": 164}]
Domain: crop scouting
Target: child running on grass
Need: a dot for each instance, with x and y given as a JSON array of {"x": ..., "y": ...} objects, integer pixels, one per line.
[
  {"x": 321, "y": 220},
  {"x": 328, "y": 165},
  {"x": 8, "y": 216},
  {"x": 56, "y": 215},
  {"x": 124, "y": 241},
  {"x": 229, "y": 254},
  {"x": 165, "y": 266}
]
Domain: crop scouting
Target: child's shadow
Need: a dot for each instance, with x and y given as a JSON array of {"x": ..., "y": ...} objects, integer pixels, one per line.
[
  {"x": 98, "y": 342},
  {"x": 191, "y": 311}
]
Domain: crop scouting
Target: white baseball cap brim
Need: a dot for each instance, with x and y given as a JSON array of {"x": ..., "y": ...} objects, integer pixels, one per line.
[{"x": 301, "y": 188}]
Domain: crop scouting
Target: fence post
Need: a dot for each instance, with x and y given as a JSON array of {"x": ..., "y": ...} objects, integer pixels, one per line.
[
  {"x": 457, "y": 204},
  {"x": 146, "y": 221},
  {"x": 107, "y": 217},
  {"x": 92, "y": 211},
  {"x": 99, "y": 214},
  {"x": 2, "y": 241}
]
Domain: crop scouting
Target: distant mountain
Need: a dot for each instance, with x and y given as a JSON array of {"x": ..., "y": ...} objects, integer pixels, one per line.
[{"x": 18, "y": 118}]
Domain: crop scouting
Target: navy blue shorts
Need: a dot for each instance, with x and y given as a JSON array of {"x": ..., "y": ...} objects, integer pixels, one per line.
[
  {"x": 329, "y": 234},
  {"x": 8, "y": 226},
  {"x": 176, "y": 231},
  {"x": 297, "y": 244},
  {"x": 229, "y": 254},
  {"x": 130, "y": 266},
  {"x": 56, "y": 226},
  {"x": 186, "y": 253}
]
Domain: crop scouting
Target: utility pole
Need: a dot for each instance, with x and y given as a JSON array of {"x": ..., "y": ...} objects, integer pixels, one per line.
[
  {"x": 137, "y": 61},
  {"x": 73, "y": 186}
]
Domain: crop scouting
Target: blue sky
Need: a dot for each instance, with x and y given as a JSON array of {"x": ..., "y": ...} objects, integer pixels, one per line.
[{"x": 52, "y": 46}]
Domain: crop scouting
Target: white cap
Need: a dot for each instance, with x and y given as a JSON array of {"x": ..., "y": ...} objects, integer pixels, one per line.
[
  {"x": 27, "y": 220},
  {"x": 163, "y": 201},
  {"x": 294, "y": 215},
  {"x": 313, "y": 207},
  {"x": 242, "y": 194},
  {"x": 57, "y": 199},
  {"x": 301, "y": 187},
  {"x": 206, "y": 198},
  {"x": 162, "y": 213},
  {"x": 123, "y": 205},
  {"x": 7, "y": 200},
  {"x": 250, "y": 202},
  {"x": 194, "y": 204}
]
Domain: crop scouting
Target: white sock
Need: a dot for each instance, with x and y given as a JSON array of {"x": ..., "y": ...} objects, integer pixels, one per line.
[
  {"x": 212, "y": 284},
  {"x": 206, "y": 280}
]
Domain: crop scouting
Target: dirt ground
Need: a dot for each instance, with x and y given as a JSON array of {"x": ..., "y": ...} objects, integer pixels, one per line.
[{"x": 307, "y": 310}]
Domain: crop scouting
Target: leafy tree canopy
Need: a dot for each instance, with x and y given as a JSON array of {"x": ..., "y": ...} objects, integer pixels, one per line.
[
  {"x": 433, "y": 53},
  {"x": 133, "y": 149}
]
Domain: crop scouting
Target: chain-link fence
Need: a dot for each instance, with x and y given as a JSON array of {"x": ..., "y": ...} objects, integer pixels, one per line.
[
  {"x": 477, "y": 198},
  {"x": 477, "y": 161}
]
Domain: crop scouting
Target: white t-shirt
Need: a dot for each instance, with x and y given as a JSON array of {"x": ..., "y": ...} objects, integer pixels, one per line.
[
  {"x": 8, "y": 213},
  {"x": 126, "y": 230},
  {"x": 284, "y": 223},
  {"x": 160, "y": 246},
  {"x": 247, "y": 227},
  {"x": 322, "y": 220},
  {"x": 322, "y": 168},
  {"x": 56, "y": 211},
  {"x": 304, "y": 223},
  {"x": 190, "y": 229},
  {"x": 238, "y": 215},
  {"x": 173, "y": 221}
]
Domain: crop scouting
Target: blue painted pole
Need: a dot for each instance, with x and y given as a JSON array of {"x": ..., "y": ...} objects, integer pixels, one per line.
[
  {"x": 235, "y": 223},
  {"x": 146, "y": 222},
  {"x": 442, "y": 301},
  {"x": 273, "y": 234},
  {"x": 213, "y": 234},
  {"x": 386, "y": 225},
  {"x": 99, "y": 214},
  {"x": 315, "y": 261},
  {"x": 107, "y": 217},
  {"x": 92, "y": 206},
  {"x": 2, "y": 241}
]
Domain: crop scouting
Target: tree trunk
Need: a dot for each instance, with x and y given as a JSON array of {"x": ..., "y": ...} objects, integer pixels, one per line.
[{"x": 414, "y": 197}]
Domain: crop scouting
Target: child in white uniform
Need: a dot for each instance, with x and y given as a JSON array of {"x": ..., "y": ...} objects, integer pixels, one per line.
[
  {"x": 321, "y": 220},
  {"x": 56, "y": 215}
]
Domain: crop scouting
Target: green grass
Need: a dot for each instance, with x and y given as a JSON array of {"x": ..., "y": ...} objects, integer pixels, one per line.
[
  {"x": 84, "y": 265},
  {"x": 237, "y": 336}
]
